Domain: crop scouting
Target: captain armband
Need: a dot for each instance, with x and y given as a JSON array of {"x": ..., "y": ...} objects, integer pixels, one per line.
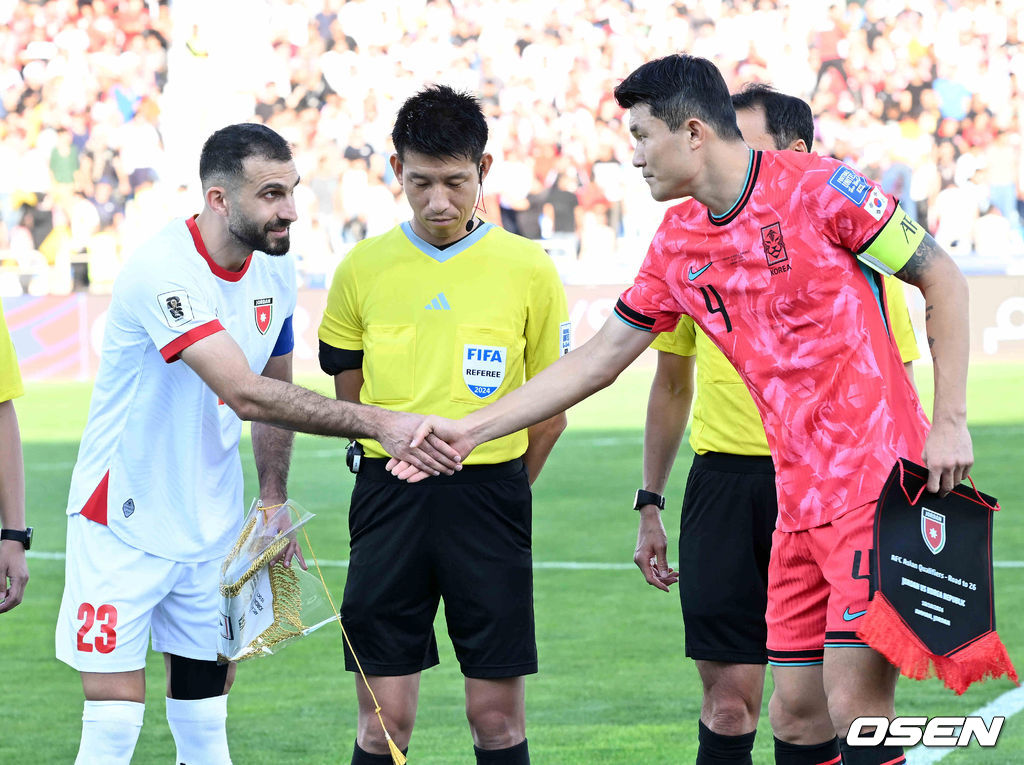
[{"x": 894, "y": 245}]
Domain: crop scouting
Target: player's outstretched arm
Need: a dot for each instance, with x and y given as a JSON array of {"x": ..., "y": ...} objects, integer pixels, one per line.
[
  {"x": 948, "y": 454},
  {"x": 272, "y": 446},
  {"x": 219, "y": 361},
  {"x": 574, "y": 377},
  {"x": 542, "y": 438},
  {"x": 13, "y": 566},
  {"x": 272, "y": 452},
  {"x": 668, "y": 408}
]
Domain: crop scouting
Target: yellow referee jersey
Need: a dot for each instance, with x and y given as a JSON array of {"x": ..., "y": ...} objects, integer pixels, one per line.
[
  {"x": 725, "y": 417},
  {"x": 447, "y": 331},
  {"x": 10, "y": 377}
]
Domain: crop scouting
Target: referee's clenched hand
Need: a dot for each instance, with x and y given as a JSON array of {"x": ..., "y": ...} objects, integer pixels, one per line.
[
  {"x": 421, "y": 456},
  {"x": 651, "y": 544},
  {"x": 13, "y": 574}
]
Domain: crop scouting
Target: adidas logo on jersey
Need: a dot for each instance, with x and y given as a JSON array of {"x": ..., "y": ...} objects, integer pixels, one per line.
[{"x": 440, "y": 303}]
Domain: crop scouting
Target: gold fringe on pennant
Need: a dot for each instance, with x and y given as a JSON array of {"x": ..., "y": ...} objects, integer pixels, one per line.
[
  {"x": 275, "y": 548},
  {"x": 284, "y": 587},
  {"x": 286, "y": 591}
]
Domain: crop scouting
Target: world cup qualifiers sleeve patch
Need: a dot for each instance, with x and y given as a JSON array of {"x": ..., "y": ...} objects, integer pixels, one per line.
[
  {"x": 850, "y": 184},
  {"x": 176, "y": 308},
  {"x": 894, "y": 245},
  {"x": 565, "y": 337}
]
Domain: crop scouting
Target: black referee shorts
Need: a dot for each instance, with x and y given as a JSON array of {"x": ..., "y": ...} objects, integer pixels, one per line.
[
  {"x": 465, "y": 538},
  {"x": 725, "y": 541}
]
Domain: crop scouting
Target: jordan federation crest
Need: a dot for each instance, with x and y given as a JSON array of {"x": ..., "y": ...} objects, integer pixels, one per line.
[
  {"x": 933, "y": 530},
  {"x": 263, "y": 312}
]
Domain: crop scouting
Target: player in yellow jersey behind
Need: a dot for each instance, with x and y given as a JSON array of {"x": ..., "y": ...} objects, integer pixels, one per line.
[
  {"x": 15, "y": 537},
  {"x": 729, "y": 508},
  {"x": 444, "y": 313}
]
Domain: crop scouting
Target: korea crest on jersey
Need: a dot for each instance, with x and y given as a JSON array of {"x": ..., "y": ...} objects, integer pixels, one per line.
[
  {"x": 483, "y": 368},
  {"x": 933, "y": 529},
  {"x": 263, "y": 312}
]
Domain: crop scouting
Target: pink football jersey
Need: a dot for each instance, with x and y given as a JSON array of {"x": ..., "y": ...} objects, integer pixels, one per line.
[{"x": 776, "y": 284}]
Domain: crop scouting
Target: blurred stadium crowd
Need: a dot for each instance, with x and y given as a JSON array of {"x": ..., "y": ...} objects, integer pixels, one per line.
[{"x": 104, "y": 105}]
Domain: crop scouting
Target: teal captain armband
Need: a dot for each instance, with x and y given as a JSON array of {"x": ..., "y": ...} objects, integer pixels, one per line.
[{"x": 894, "y": 245}]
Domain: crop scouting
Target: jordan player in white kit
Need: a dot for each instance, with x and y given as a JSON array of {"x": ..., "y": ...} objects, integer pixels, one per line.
[{"x": 198, "y": 338}]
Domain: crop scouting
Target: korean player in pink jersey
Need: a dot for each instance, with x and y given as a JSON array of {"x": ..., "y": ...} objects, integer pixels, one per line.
[
  {"x": 198, "y": 338},
  {"x": 730, "y": 498},
  {"x": 778, "y": 257}
]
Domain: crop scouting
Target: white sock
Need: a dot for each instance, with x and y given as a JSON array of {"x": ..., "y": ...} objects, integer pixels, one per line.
[
  {"x": 199, "y": 730},
  {"x": 109, "y": 732}
]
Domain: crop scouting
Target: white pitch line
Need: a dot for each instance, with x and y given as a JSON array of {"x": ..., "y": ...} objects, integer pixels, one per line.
[
  {"x": 1006, "y": 705},
  {"x": 43, "y": 555},
  {"x": 557, "y": 565},
  {"x": 45, "y": 467}
]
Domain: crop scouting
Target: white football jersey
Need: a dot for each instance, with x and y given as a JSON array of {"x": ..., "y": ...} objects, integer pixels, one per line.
[{"x": 158, "y": 462}]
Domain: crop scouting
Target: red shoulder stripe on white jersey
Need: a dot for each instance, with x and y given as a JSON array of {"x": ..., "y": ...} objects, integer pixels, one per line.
[{"x": 173, "y": 349}]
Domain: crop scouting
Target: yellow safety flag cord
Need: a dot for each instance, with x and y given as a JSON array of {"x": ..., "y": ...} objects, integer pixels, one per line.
[{"x": 396, "y": 754}]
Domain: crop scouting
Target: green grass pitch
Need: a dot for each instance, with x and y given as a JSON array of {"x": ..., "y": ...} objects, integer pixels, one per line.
[{"x": 614, "y": 686}]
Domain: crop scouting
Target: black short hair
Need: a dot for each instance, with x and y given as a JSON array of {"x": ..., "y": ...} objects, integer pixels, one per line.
[
  {"x": 680, "y": 87},
  {"x": 787, "y": 118},
  {"x": 226, "y": 150},
  {"x": 440, "y": 121}
]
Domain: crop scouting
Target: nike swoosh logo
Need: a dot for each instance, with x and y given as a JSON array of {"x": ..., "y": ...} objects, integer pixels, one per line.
[
  {"x": 848, "y": 617},
  {"x": 694, "y": 274}
]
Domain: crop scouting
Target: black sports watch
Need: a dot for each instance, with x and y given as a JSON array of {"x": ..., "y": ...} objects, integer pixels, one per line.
[
  {"x": 25, "y": 537},
  {"x": 644, "y": 497}
]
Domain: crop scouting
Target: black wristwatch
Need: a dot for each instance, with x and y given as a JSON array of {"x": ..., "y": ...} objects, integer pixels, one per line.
[
  {"x": 25, "y": 537},
  {"x": 644, "y": 497}
]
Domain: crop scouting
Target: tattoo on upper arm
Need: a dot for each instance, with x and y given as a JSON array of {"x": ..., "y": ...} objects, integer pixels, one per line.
[
  {"x": 928, "y": 312},
  {"x": 919, "y": 262}
]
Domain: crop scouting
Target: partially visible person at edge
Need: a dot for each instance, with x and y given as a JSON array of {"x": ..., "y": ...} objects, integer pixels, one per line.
[
  {"x": 197, "y": 339},
  {"x": 767, "y": 258},
  {"x": 730, "y": 501},
  {"x": 444, "y": 313},
  {"x": 15, "y": 535}
]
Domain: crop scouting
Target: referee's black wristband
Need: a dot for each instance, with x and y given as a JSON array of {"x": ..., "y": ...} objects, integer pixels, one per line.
[{"x": 644, "y": 498}]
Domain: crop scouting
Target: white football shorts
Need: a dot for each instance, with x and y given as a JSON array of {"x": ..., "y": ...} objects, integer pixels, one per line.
[{"x": 115, "y": 596}]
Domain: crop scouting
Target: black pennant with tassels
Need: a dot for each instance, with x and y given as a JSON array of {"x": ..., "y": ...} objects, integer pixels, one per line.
[{"x": 932, "y": 609}]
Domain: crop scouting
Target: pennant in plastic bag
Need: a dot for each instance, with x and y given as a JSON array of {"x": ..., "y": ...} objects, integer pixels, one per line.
[
  {"x": 932, "y": 609},
  {"x": 264, "y": 607}
]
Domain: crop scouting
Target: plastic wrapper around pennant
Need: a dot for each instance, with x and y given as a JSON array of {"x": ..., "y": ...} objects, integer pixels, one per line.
[{"x": 265, "y": 607}]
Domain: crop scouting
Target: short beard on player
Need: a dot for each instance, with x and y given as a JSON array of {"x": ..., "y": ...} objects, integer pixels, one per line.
[{"x": 250, "y": 234}]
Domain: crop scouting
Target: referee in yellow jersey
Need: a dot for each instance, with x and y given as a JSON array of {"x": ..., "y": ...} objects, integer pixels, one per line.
[
  {"x": 15, "y": 536},
  {"x": 729, "y": 507},
  {"x": 444, "y": 313}
]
